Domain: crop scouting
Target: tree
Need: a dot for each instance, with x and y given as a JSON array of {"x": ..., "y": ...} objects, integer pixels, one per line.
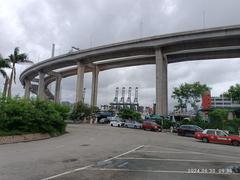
[
  {"x": 189, "y": 94},
  {"x": 4, "y": 64},
  {"x": 218, "y": 118},
  {"x": 95, "y": 109},
  {"x": 14, "y": 59},
  {"x": 80, "y": 111},
  {"x": 233, "y": 92},
  {"x": 127, "y": 113}
]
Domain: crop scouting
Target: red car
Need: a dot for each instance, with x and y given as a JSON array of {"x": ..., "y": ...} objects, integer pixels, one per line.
[
  {"x": 150, "y": 125},
  {"x": 217, "y": 136}
]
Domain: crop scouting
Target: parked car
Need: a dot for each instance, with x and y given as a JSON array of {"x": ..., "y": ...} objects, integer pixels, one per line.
[
  {"x": 188, "y": 130},
  {"x": 150, "y": 125},
  {"x": 217, "y": 136},
  {"x": 116, "y": 123},
  {"x": 133, "y": 124},
  {"x": 103, "y": 121}
]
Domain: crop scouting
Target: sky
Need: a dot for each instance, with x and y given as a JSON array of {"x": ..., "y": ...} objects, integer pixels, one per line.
[{"x": 35, "y": 25}]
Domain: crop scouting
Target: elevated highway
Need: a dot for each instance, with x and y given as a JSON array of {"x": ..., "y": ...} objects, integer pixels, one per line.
[{"x": 204, "y": 44}]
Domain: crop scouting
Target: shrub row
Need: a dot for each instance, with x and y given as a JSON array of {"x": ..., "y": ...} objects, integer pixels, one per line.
[{"x": 19, "y": 116}]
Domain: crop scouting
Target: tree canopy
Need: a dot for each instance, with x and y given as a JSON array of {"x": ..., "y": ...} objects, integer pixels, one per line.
[
  {"x": 127, "y": 113},
  {"x": 188, "y": 94},
  {"x": 218, "y": 117},
  {"x": 233, "y": 92},
  {"x": 3, "y": 64},
  {"x": 15, "y": 58},
  {"x": 80, "y": 111}
]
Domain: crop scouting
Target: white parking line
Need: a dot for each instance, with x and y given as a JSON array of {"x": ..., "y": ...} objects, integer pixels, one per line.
[
  {"x": 170, "y": 152},
  {"x": 174, "y": 149},
  {"x": 67, "y": 172},
  {"x": 180, "y": 160},
  {"x": 115, "y": 157},
  {"x": 123, "y": 164},
  {"x": 156, "y": 171},
  {"x": 86, "y": 167},
  {"x": 168, "y": 149},
  {"x": 220, "y": 155}
]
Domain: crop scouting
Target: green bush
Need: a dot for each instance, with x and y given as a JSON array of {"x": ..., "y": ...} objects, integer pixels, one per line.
[
  {"x": 127, "y": 113},
  {"x": 166, "y": 124},
  {"x": 32, "y": 116},
  {"x": 232, "y": 126},
  {"x": 218, "y": 118},
  {"x": 80, "y": 111}
]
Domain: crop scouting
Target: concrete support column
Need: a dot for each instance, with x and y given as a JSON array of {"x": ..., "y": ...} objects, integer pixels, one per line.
[
  {"x": 58, "y": 89},
  {"x": 41, "y": 85},
  {"x": 94, "y": 93},
  {"x": 27, "y": 89},
  {"x": 161, "y": 84},
  {"x": 80, "y": 82}
]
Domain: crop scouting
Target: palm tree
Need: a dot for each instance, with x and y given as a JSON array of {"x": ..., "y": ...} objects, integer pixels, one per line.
[
  {"x": 14, "y": 59},
  {"x": 4, "y": 64}
]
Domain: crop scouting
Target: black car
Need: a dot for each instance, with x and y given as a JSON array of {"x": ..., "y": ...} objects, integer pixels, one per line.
[{"x": 188, "y": 130}]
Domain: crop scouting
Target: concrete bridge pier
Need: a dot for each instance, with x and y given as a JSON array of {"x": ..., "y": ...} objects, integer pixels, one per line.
[
  {"x": 27, "y": 89},
  {"x": 41, "y": 86},
  {"x": 94, "y": 92},
  {"x": 57, "y": 89},
  {"x": 80, "y": 81},
  {"x": 161, "y": 83}
]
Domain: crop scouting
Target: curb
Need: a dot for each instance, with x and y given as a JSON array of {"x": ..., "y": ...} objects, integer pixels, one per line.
[{"x": 23, "y": 138}]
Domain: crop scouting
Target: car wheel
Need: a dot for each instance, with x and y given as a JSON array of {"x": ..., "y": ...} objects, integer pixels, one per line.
[
  {"x": 111, "y": 125},
  {"x": 235, "y": 143},
  {"x": 205, "y": 140},
  {"x": 135, "y": 127},
  {"x": 118, "y": 125}
]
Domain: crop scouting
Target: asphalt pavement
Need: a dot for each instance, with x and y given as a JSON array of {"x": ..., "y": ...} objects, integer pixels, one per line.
[{"x": 104, "y": 152}]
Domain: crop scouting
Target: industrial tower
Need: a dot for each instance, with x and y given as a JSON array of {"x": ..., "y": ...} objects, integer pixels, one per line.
[{"x": 116, "y": 104}]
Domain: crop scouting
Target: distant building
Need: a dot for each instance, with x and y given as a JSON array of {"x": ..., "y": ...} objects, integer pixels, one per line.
[
  {"x": 105, "y": 107},
  {"x": 206, "y": 100},
  {"x": 148, "y": 110},
  {"x": 224, "y": 102},
  {"x": 209, "y": 102},
  {"x": 140, "y": 109}
]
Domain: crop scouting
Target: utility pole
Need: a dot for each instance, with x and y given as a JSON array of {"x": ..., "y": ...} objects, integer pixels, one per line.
[{"x": 53, "y": 50}]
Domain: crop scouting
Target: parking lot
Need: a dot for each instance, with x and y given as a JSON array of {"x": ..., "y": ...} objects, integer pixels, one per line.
[{"x": 104, "y": 152}]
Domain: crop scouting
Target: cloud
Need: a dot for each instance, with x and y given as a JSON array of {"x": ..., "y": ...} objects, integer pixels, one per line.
[{"x": 34, "y": 25}]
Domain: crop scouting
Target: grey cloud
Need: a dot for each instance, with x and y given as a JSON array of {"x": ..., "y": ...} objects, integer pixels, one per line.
[{"x": 35, "y": 25}]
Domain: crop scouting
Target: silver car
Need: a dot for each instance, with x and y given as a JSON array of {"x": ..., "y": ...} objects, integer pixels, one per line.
[{"x": 133, "y": 124}]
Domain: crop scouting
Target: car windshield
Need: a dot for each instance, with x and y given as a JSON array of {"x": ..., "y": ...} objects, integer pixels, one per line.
[
  {"x": 198, "y": 128},
  {"x": 221, "y": 133},
  {"x": 205, "y": 131},
  {"x": 153, "y": 123}
]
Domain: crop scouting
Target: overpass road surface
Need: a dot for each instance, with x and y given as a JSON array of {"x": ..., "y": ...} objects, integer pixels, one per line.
[{"x": 104, "y": 152}]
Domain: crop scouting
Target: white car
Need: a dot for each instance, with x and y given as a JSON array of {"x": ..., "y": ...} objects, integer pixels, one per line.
[{"x": 116, "y": 123}]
